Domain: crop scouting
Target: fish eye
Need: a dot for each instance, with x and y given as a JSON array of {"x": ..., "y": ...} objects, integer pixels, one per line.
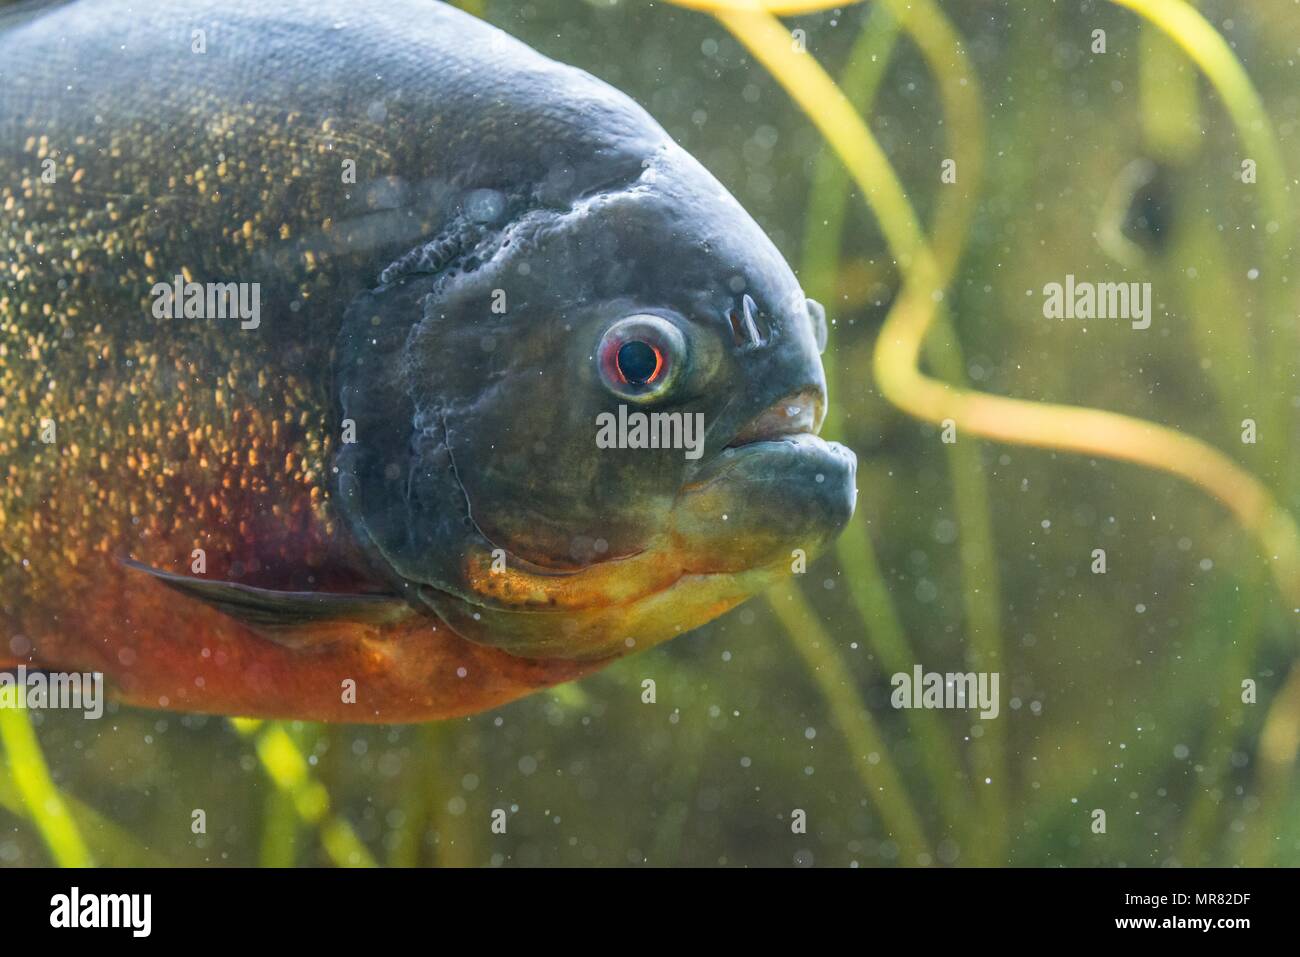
[{"x": 639, "y": 357}]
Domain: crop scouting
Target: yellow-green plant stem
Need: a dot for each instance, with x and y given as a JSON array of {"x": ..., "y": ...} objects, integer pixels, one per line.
[
  {"x": 1014, "y": 421},
  {"x": 1213, "y": 313},
  {"x": 1169, "y": 98},
  {"x": 836, "y": 118},
  {"x": 959, "y": 94},
  {"x": 1086, "y": 431},
  {"x": 1188, "y": 28},
  {"x": 780, "y": 8},
  {"x": 828, "y": 196},
  {"x": 1279, "y": 740},
  {"x": 1204, "y": 813},
  {"x": 1170, "y": 111},
  {"x": 109, "y": 842},
  {"x": 874, "y": 604},
  {"x": 1209, "y": 51},
  {"x": 884, "y": 785},
  {"x": 289, "y": 771},
  {"x": 1280, "y": 737},
  {"x": 45, "y": 805},
  {"x": 404, "y": 848},
  {"x": 823, "y": 237},
  {"x": 281, "y": 826},
  {"x": 456, "y": 843}
]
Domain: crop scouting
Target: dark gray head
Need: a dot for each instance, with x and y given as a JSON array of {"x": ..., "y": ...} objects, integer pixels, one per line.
[{"x": 507, "y": 375}]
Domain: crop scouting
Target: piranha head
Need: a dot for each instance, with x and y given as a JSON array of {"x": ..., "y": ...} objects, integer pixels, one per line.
[{"x": 588, "y": 424}]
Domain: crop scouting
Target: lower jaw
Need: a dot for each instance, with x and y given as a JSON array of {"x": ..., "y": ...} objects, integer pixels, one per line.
[
  {"x": 691, "y": 602},
  {"x": 609, "y": 631},
  {"x": 751, "y": 515},
  {"x": 740, "y": 526}
]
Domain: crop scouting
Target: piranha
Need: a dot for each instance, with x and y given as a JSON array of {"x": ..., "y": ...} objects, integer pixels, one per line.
[{"x": 311, "y": 316}]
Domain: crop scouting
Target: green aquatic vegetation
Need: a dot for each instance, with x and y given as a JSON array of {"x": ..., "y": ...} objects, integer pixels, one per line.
[
  {"x": 828, "y": 206},
  {"x": 1231, "y": 626},
  {"x": 927, "y": 273},
  {"x": 44, "y": 804},
  {"x": 930, "y": 30},
  {"x": 288, "y": 770},
  {"x": 932, "y": 34},
  {"x": 867, "y": 747}
]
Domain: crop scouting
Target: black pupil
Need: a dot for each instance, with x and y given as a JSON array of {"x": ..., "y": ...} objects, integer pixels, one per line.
[{"x": 637, "y": 361}]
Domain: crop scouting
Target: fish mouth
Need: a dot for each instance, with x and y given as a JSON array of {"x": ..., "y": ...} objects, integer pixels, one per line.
[
  {"x": 800, "y": 413},
  {"x": 781, "y": 440},
  {"x": 774, "y": 487}
]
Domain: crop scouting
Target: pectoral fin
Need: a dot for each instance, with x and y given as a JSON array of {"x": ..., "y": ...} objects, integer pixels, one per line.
[{"x": 285, "y": 617}]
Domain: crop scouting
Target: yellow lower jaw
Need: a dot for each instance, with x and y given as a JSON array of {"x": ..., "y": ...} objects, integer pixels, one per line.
[{"x": 599, "y": 627}]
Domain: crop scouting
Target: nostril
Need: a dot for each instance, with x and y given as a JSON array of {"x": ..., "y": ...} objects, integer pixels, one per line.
[
  {"x": 738, "y": 334},
  {"x": 749, "y": 327},
  {"x": 757, "y": 332}
]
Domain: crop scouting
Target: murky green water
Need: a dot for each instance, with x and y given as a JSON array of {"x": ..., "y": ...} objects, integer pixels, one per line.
[{"x": 1119, "y": 692}]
